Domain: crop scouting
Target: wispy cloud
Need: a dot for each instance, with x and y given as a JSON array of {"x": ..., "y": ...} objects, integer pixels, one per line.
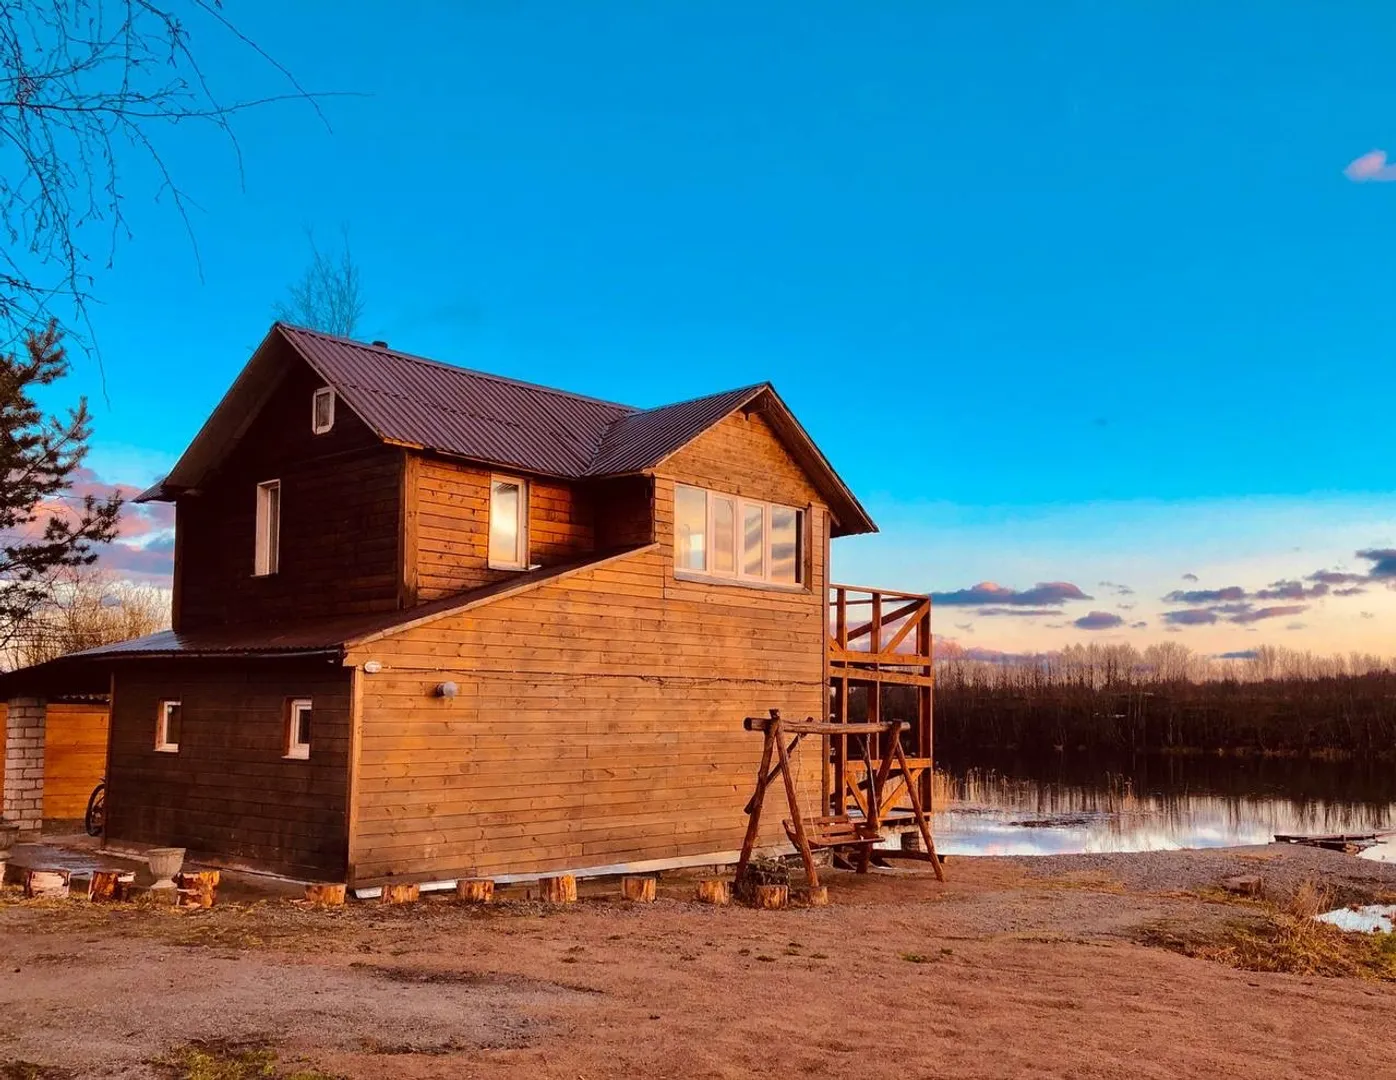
[
  {"x": 988, "y": 593},
  {"x": 1280, "y": 611},
  {"x": 1292, "y": 590},
  {"x": 1206, "y": 596},
  {"x": 1098, "y": 620},
  {"x": 1189, "y": 577},
  {"x": 1371, "y": 167},
  {"x": 1384, "y": 563},
  {"x": 1191, "y": 617}
]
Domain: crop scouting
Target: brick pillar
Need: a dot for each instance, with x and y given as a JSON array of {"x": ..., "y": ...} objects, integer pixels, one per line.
[{"x": 24, "y": 765}]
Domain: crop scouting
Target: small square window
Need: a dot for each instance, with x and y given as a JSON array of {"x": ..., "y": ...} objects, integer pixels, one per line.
[
  {"x": 322, "y": 410},
  {"x": 298, "y": 728},
  {"x": 167, "y": 725}
]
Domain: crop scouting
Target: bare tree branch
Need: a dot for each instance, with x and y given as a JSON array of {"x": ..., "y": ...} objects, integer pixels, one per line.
[
  {"x": 329, "y": 295},
  {"x": 84, "y": 85}
]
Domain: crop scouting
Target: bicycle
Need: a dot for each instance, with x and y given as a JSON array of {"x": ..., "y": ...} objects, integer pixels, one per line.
[{"x": 96, "y": 818}]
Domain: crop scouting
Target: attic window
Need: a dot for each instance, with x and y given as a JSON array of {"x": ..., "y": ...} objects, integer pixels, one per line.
[{"x": 322, "y": 410}]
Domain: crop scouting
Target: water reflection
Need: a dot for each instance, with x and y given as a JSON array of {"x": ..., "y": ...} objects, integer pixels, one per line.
[{"x": 1067, "y": 804}]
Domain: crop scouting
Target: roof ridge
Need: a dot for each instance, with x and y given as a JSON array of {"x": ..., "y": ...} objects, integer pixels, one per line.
[
  {"x": 474, "y": 372},
  {"x": 764, "y": 385}
]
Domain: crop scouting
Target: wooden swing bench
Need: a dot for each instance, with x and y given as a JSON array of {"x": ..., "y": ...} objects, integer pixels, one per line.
[{"x": 854, "y": 838}]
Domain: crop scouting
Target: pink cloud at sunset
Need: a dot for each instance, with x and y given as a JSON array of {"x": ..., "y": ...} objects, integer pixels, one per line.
[
  {"x": 1371, "y": 167},
  {"x": 144, "y": 548}
]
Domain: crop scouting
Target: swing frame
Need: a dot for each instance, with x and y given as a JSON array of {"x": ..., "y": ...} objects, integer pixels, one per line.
[{"x": 838, "y": 832}]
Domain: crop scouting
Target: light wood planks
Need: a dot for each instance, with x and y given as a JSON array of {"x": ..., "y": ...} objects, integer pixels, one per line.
[{"x": 599, "y": 717}]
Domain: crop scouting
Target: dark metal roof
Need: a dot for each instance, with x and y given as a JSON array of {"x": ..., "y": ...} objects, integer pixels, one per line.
[
  {"x": 416, "y": 402},
  {"x": 457, "y": 411},
  {"x": 644, "y": 439}
]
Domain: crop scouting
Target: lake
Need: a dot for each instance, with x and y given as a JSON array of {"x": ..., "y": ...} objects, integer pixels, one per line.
[{"x": 1004, "y": 804}]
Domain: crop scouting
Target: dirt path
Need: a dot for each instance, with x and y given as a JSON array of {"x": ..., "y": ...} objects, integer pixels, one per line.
[{"x": 1010, "y": 970}]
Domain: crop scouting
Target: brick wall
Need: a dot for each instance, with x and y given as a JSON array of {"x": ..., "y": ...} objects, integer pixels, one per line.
[{"x": 24, "y": 764}]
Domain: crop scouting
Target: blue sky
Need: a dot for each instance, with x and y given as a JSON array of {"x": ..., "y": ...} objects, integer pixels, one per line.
[{"x": 1068, "y": 293}]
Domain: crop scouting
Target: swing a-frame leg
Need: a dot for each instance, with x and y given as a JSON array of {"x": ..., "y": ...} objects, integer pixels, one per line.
[{"x": 851, "y": 839}]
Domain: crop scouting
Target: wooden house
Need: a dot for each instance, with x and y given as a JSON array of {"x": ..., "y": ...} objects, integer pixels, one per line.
[{"x": 431, "y": 623}]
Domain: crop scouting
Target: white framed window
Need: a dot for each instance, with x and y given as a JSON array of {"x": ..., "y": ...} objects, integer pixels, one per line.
[
  {"x": 267, "y": 559},
  {"x": 508, "y": 523},
  {"x": 322, "y": 410},
  {"x": 168, "y": 719},
  {"x": 727, "y": 537},
  {"x": 298, "y": 712}
]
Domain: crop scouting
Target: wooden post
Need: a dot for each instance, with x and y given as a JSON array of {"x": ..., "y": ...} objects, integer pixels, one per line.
[
  {"x": 771, "y": 897},
  {"x": 796, "y": 818},
  {"x": 753, "y": 823},
  {"x": 921, "y": 823},
  {"x": 198, "y": 888},
  {"x": 641, "y": 890},
  {"x": 402, "y": 894},
  {"x": 558, "y": 890},
  {"x": 813, "y": 897},
  {"x": 325, "y": 895},
  {"x": 715, "y": 891},
  {"x": 45, "y": 883},
  {"x": 108, "y": 886},
  {"x": 475, "y": 890}
]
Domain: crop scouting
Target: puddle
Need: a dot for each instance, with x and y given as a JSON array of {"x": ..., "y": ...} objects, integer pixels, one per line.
[{"x": 1372, "y": 919}]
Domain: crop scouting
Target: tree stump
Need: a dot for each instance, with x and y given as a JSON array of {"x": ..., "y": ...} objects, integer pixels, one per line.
[
  {"x": 558, "y": 890},
  {"x": 325, "y": 895},
  {"x": 198, "y": 889},
  {"x": 402, "y": 894},
  {"x": 770, "y": 897},
  {"x": 45, "y": 883},
  {"x": 1245, "y": 884},
  {"x": 639, "y": 889},
  {"x": 109, "y": 886},
  {"x": 715, "y": 891},
  {"x": 475, "y": 890},
  {"x": 813, "y": 896}
]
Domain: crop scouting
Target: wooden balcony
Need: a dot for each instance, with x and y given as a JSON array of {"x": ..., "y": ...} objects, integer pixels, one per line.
[{"x": 880, "y": 668}]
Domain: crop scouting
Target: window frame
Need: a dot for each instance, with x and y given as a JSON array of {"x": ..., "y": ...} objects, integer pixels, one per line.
[
  {"x": 266, "y": 542},
  {"x": 520, "y": 524},
  {"x": 293, "y": 748},
  {"x": 162, "y": 725},
  {"x": 738, "y": 575},
  {"x": 315, "y": 426}
]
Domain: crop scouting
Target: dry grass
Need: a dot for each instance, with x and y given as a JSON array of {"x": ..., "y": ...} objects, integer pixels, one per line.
[
  {"x": 1285, "y": 938},
  {"x": 221, "y": 1060}
]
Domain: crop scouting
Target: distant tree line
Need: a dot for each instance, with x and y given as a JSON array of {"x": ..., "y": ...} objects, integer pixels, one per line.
[{"x": 1165, "y": 698}]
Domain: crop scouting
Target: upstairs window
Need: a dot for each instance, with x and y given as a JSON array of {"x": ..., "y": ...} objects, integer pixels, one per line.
[
  {"x": 322, "y": 410},
  {"x": 298, "y": 712},
  {"x": 167, "y": 724},
  {"x": 508, "y": 523},
  {"x": 267, "y": 559},
  {"x": 726, "y": 537}
]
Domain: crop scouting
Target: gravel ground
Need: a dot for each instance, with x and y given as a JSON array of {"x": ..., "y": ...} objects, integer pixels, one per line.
[
  {"x": 1011, "y": 968},
  {"x": 1282, "y": 866}
]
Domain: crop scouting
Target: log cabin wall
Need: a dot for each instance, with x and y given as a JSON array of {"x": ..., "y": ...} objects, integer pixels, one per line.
[
  {"x": 599, "y": 716},
  {"x": 230, "y": 791},
  {"x": 447, "y": 525},
  {"x": 340, "y": 521}
]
